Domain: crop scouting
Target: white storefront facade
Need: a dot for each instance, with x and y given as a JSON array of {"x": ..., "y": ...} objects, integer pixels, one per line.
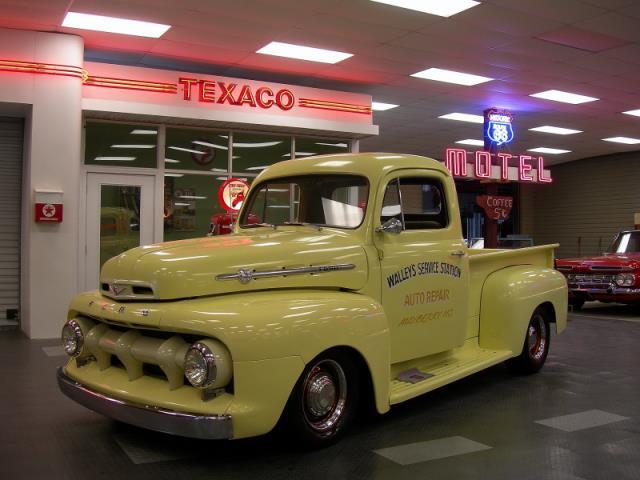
[{"x": 134, "y": 156}]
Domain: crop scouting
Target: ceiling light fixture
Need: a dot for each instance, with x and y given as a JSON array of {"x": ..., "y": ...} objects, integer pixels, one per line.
[
  {"x": 171, "y": 160},
  {"x": 635, "y": 113},
  {"x": 381, "y": 107},
  {"x": 550, "y": 151},
  {"x": 337, "y": 145},
  {"x": 300, "y": 52},
  {"x": 114, "y": 159},
  {"x": 564, "y": 97},
  {"x": 450, "y": 76},
  {"x": 210, "y": 145},
  {"x": 176, "y": 175},
  {"x": 300, "y": 154},
  {"x": 463, "y": 117},
  {"x": 188, "y": 150},
  {"x": 434, "y": 7},
  {"x": 124, "y": 26},
  {"x": 625, "y": 140},
  {"x": 471, "y": 141},
  {"x": 257, "y": 168},
  {"x": 255, "y": 145},
  {"x": 139, "y": 131},
  {"x": 555, "y": 130},
  {"x": 132, "y": 146}
]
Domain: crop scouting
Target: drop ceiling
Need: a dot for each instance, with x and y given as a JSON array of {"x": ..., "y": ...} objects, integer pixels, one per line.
[{"x": 590, "y": 47}]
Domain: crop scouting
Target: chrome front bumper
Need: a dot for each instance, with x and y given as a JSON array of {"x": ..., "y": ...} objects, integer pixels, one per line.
[
  {"x": 167, "y": 421},
  {"x": 611, "y": 290}
]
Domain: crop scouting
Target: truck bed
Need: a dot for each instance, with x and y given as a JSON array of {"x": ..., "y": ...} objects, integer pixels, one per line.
[{"x": 483, "y": 262}]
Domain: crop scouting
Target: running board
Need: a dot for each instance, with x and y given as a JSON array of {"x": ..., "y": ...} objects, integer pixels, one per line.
[{"x": 427, "y": 376}]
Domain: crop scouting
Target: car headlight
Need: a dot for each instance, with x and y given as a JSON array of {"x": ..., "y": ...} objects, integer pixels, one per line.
[
  {"x": 207, "y": 364},
  {"x": 625, "y": 279},
  {"x": 72, "y": 338}
]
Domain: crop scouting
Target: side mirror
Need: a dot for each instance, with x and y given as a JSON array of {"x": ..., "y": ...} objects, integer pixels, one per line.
[{"x": 393, "y": 225}]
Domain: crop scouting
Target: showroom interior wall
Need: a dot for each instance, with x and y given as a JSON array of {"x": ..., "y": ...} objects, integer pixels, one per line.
[
  {"x": 51, "y": 106},
  {"x": 588, "y": 203}
]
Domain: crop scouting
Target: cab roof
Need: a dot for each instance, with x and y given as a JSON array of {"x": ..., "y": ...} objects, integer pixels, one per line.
[{"x": 372, "y": 165}]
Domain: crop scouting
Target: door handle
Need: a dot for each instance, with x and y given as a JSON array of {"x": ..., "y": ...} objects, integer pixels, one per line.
[{"x": 458, "y": 253}]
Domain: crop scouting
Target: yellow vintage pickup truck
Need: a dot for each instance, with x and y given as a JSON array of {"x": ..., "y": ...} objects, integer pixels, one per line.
[{"x": 354, "y": 291}]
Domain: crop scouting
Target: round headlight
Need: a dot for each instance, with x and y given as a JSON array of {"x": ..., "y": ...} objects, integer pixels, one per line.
[
  {"x": 200, "y": 365},
  {"x": 72, "y": 338},
  {"x": 620, "y": 279},
  {"x": 629, "y": 279}
]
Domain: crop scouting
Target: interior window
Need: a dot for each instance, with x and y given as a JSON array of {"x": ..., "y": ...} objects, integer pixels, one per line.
[{"x": 417, "y": 202}]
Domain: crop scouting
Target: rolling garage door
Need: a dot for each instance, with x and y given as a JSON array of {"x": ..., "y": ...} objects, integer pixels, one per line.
[{"x": 11, "y": 140}]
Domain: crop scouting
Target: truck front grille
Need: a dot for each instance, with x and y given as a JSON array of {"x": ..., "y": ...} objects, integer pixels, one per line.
[
  {"x": 589, "y": 279},
  {"x": 139, "y": 352}
]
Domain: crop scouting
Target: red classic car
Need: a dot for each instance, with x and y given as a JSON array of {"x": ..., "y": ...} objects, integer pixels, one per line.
[{"x": 612, "y": 277}]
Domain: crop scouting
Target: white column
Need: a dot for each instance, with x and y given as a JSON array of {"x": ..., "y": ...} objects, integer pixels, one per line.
[{"x": 49, "y": 253}]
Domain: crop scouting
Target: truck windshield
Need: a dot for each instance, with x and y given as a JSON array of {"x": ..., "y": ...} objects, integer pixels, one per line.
[
  {"x": 626, "y": 242},
  {"x": 321, "y": 200}
]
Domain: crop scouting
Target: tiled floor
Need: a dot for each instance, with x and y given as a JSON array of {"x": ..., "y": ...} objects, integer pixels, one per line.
[{"x": 579, "y": 419}]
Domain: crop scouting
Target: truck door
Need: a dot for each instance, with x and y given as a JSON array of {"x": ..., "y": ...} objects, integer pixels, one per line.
[{"x": 424, "y": 265}]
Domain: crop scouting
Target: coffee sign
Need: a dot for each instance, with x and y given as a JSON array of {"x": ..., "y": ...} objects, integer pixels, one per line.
[{"x": 495, "y": 207}]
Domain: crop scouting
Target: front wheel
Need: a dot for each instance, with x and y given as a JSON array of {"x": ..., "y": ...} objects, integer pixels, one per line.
[
  {"x": 323, "y": 401},
  {"x": 536, "y": 345}
]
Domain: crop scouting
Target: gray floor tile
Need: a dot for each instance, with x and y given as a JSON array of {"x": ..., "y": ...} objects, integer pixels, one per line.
[
  {"x": 55, "y": 351},
  {"x": 140, "y": 452},
  {"x": 581, "y": 420},
  {"x": 431, "y": 450}
]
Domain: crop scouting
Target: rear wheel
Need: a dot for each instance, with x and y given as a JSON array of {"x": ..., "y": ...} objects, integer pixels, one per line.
[
  {"x": 536, "y": 345},
  {"x": 323, "y": 402}
]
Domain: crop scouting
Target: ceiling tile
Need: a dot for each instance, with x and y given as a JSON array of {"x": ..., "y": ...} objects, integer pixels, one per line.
[
  {"x": 613, "y": 24},
  {"x": 568, "y": 11},
  {"x": 201, "y": 53}
]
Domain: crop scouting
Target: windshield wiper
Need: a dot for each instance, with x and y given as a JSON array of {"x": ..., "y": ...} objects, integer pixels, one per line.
[
  {"x": 262, "y": 224},
  {"x": 304, "y": 224}
]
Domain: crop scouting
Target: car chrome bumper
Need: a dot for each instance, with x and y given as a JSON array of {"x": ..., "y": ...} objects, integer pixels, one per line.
[
  {"x": 576, "y": 289},
  {"x": 167, "y": 421}
]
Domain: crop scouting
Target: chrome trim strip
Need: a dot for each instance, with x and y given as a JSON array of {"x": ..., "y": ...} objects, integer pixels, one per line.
[
  {"x": 245, "y": 275},
  {"x": 147, "y": 416}
]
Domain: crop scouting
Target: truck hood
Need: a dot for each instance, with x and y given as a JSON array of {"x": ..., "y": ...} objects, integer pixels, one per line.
[
  {"x": 612, "y": 261},
  {"x": 289, "y": 257}
]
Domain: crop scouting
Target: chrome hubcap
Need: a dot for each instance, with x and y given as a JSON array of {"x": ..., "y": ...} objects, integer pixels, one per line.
[
  {"x": 537, "y": 337},
  {"x": 325, "y": 395}
]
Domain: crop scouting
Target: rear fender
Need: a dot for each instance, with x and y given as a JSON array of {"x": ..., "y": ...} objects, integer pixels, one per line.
[{"x": 509, "y": 298}]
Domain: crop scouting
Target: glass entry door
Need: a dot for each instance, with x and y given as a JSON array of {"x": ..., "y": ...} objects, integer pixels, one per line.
[{"x": 119, "y": 217}]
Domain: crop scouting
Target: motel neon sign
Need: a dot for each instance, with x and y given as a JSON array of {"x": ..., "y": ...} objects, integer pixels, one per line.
[{"x": 528, "y": 169}]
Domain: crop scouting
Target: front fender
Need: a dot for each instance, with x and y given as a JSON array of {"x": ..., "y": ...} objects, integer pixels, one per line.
[
  {"x": 509, "y": 297},
  {"x": 290, "y": 323}
]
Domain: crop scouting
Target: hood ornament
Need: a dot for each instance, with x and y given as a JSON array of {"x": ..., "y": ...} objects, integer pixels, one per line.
[
  {"x": 245, "y": 275},
  {"x": 116, "y": 290}
]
